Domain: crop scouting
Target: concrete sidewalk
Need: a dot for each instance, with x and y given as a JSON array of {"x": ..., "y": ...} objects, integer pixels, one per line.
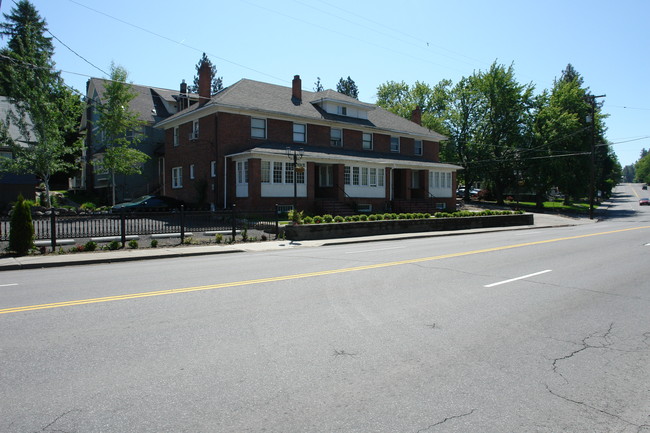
[{"x": 72, "y": 259}]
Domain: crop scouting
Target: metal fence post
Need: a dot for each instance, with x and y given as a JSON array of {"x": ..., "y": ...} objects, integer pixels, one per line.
[
  {"x": 277, "y": 221},
  {"x": 182, "y": 224},
  {"x": 53, "y": 229},
  {"x": 123, "y": 228},
  {"x": 234, "y": 223}
]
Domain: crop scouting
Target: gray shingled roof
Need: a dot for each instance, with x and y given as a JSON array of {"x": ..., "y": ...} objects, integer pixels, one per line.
[
  {"x": 270, "y": 98},
  {"x": 146, "y": 99}
]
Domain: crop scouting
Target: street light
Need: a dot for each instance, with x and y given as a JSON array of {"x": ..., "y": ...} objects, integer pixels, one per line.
[{"x": 295, "y": 155}]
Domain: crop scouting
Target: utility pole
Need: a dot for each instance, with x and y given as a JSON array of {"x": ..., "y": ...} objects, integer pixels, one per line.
[{"x": 592, "y": 171}]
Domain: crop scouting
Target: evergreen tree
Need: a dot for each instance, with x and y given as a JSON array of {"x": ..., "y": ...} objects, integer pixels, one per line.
[
  {"x": 348, "y": 87},
  {"x": 217, "y": 82},
  {"x": 21, "y": 232},
  {"x": 46, "y": 111},
  {"x": 120, "y": 129},
  {"x": 318, "y": 86}
]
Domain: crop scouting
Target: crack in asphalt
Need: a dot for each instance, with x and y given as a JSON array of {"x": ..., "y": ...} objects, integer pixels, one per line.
[
  {"x": 605, "y": 344},
  {"x": 449, "y": 418},
  {"x": 585, "y": 346},
  {"x": 57, "y": 419}
]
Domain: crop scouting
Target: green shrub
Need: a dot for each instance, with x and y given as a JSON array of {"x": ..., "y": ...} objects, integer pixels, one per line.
[
  {"x": 88, "y": 206},
  {"x": 356, "y": 218},
  {"x": 307, "y": 220},
  {"x": 318, "y": 219},
  {"x": 21, "y": 231},
  {"x": 90, "y": 246},
  {"x": 133, "y": 244},
  {"x": 379, "y": 216},
  {"x": 113, "y": 245},
  {"x": 296, "y": 216},
  {"x": 339, "y": 219},
  {"x": 348, "y": 218},
  {"x": 427, "y": 215},
  {"x": 372, "y": 218},
  {"x": 244, "y": 235},
  {"x": 154, "y": 243},
  {"x": 327, "y": 218},
  {"x": 218, "y": 238},
  {"x": 363, "y": 217}
]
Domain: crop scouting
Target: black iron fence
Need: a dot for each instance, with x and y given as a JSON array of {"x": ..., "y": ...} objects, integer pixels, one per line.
[{"x": 54, "y": 227}]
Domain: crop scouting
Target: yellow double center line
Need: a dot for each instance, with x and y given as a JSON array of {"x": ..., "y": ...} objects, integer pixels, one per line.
[{"x": 294, "y": 276}]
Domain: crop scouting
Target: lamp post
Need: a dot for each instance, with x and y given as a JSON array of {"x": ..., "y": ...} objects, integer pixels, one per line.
[{"x": 295, "y": 155}]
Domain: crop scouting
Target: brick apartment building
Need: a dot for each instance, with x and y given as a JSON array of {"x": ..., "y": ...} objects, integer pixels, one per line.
[{"x": 239, "y": 147}]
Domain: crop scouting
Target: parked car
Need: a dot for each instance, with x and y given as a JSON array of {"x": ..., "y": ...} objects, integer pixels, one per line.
[
  {"x": 644, "y": 187},
  {"x": 644, "y": 202},
  {"x": 148, "y": 203}
]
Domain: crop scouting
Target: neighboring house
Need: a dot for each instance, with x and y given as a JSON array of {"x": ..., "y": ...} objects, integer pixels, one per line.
[
  {"x": 11, "y": 185},
  {"x": 237, "y": 147},
  {"x": 152, "y": 105}
]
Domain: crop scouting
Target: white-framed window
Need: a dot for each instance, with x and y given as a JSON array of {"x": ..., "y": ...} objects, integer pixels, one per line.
[
  {"x": 176, "y": 136},
  {"x": 364, "y": 176},
  {"x": 277, "y": 172},
  {"x": 242, "y": 172},
  {"x": 299, "y": 133},
  {"x": 266, "y": 172},
  {"x": 336, "y": 137},
  {"x": 258, "y": 128},
  {"x": 417, "y": 147},
  {"x": 380, "y": 176},
  {"x": 194, "y": 135},
  {"x": 288, "y": 172},
  {"x": 394, "y": 144},
  {"x": 191, "y": 171},
  {"x": 300, "y": 174},
  {"x": 177, "y": 177},
  {"x": 213, "y": 168},
  {"x": 373, "y": 177},
  {"x": 367, "y": 141},
  {"x": 326, "y": 175},
  {"x": 355, "y": 175},
  {"x": 346, "y": 175},
  {"x": 343, "y": 111}
]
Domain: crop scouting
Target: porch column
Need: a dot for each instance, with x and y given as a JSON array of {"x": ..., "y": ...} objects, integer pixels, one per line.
[{"x": 254, "y": 178}]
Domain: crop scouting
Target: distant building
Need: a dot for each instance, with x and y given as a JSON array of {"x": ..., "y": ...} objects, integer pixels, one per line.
[
  {"x": 152, "y": 105},
  {"x": 237, "y": 147},
  {"x": 11, "y": 184}
]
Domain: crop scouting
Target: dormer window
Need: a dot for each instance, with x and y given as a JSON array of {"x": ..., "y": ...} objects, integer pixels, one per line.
[{"x": 343, "y": 111}]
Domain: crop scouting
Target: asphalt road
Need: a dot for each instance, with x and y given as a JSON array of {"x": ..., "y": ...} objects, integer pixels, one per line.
[{"x": 538, "y": 330}]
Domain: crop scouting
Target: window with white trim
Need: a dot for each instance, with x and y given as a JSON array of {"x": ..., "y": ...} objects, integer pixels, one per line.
[
  {"x": 355, "y": 175},
  {"x": 213, "y": 168},
  {"x": 289, "y": 172},
  {"x": 346, "y": 175},
  {"x": 367, "y": 141},
  {"x": 417, "y": 147},
  {"x": 194, "y": 135},
  {"x": 177, "y": 177},
  {"x": 336, "y": 137},
  {"x": 373, "y": 177},
  {"x": 415, "y": 179},
  {"x": 258, "y": 128},
  {"x": 176, "y": 136},
  {"x": 299, "y": 132},
  {"x": 394, "y": 144},
  {"x": 364, "y": 176},
  {"x": 277, "y": 172},
  {"x": 191, "y": 171},
  {"x": 380, "y": 176},
  {"x": 266, "y": 171},
  {"x": 242, "y": 172}
]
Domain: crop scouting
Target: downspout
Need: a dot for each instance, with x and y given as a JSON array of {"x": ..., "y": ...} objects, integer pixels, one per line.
[{"x": 225, "y": 181}]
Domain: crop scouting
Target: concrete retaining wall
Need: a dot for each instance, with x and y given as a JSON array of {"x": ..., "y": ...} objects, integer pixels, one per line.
[{"x": 370, "y": 228}]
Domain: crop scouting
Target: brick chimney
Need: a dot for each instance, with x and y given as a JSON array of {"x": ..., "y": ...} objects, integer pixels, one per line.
[
  {"x": 296, "y": 88},
  {"x": 205, "y": 83},
  {"x": 416, "y": 116}
]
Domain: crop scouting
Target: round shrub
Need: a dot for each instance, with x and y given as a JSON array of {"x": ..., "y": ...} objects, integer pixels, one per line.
[
  {"x": 90, "y": 246},
  {"x": 307, "y": 220},
  {"x": 133, "y": 244},
  {"x": 348, "y": 219},
  {"x": 327, "y": 218},
  {"x": 372, "y": 218},
  {"x": 363, "y": 217},
  {"x": 318, "y": 219},
  {"x": 338, "y": 219}
]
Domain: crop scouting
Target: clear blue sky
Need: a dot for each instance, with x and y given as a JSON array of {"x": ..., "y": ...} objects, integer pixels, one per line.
[{"x": 159, "y": 43}]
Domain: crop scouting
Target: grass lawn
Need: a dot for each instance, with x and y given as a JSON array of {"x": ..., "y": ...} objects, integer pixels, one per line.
[{"x": 557, "y": 206}]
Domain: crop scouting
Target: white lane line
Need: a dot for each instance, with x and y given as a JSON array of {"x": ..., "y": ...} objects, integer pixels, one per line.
[
  {"x": 7, "y": 285},
  {"x": 372, "y": 251},
  {"x": 518, "y": 278}
]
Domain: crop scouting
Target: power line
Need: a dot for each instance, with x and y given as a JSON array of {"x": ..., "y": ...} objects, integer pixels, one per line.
[{"x": 78, "y": 55}]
